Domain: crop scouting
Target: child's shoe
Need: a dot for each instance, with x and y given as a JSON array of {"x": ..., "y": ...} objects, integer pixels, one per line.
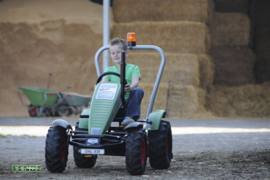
[{"x": 127, "y": 121}]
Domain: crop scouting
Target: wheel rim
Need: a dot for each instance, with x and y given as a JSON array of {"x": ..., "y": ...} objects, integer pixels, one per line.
[
  {"x": 63, "y": 149},
  {"x": 143, "y": 152},
  {"x": 33, "y": 110}
]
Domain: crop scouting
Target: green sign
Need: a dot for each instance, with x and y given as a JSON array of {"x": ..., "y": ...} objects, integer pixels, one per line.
[{"x": 26, "y": 168}]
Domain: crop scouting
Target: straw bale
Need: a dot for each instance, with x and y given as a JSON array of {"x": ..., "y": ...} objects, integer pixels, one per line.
[
  {"x": 219, "y": 103},
  {"x": 194, "y": 100},
  {"x": 230, "y": 29},
  {"x": 178, "y": 37},
  {"x": 262, "y": 42},
  {"x": 262, "y": 70},
  {"x": 207, "y": 70},
  {"x": 184, "y": 63},
  {"x": 229, "y": 6},
  {"x": 180, "y": 63},
  {"x": 244, "y": 101},
  {"x": 153, "y": 10},
  {"x": 233, "y": 65},
  {"x": 191, "y": 100},
  {"x": 259, "y": 13},
  {"x": 193, "y": 104}
]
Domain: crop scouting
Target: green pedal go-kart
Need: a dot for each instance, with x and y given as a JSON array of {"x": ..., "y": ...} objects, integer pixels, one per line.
[{"x": 95, "y": 135}]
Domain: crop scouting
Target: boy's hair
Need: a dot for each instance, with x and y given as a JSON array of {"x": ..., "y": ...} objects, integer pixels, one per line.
[{"x": 118, "y": 41}]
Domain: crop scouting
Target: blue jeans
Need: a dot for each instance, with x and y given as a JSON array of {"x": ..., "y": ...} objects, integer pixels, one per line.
[{"x": 133, "y": 104}]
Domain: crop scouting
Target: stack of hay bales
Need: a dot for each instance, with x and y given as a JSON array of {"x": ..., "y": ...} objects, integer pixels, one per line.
[
  {"x": 234, "y": 93},
  {"x": 182, "y": 33},
  {"x": 244, "y": 101},
  {"x": 234, "y": 65},
  {"x": 207, "y": 70},
  {"x": 149, "y": 64},
  {"x": 175, "y": 36},
  {"x": 152, "y": 10},
  {"x": 259, "y": 14},
  {"x": 230, "y": 29},
  {"x": 230, "y": 33}
]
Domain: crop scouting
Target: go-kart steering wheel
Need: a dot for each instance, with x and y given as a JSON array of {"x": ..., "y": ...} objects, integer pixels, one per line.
[{"x": 108, "y": 73}]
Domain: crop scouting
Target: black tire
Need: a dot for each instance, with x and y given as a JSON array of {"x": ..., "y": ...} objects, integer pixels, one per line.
[
  {"x": 136, "y": 152},
  {"x": 32, "y": 111},
  {"x": 63, "y": 110},
  {"x": 56, "y": 149},
  {"x": 45, "y": 112},
  {"x": 160, "y": 146},
  {"x": 79, "y": 159}
]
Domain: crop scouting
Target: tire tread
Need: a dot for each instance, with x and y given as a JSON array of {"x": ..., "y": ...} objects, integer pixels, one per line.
[
  {"x": 158, "y": 157},
  {"x": 52, "y": 153}
]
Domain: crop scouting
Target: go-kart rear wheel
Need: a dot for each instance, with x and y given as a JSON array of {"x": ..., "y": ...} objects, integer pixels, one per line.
[
  {"x": 80, "y": 160},
  {"x": 32, "y": 111},
  {"x": 56, "y": 149},
  {"x": 160, "y": 146},
  {"x": 136, "y": 152}
]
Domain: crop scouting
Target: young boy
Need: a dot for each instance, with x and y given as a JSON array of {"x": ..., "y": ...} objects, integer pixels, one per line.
[{"x": 134, "y": 94}]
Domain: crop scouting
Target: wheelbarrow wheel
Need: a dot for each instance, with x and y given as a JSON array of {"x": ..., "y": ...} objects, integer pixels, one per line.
[
  {"x": 32, "y": 111},
  {"x": 63, "y": 110}
]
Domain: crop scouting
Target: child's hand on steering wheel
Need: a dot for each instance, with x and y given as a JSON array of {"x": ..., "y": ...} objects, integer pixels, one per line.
[{"x": 127, "y": 88}]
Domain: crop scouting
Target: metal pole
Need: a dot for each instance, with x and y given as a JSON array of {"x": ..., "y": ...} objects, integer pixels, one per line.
[
  {"x": 48, "y": 85},
  {"x": 106, "y": 32}
]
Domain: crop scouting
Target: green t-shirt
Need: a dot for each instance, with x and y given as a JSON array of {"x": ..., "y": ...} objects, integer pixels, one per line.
[{"x": 131, "y": 70}]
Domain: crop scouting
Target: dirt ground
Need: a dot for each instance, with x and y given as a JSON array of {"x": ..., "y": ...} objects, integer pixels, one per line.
[{"x": 203, "y": 149}]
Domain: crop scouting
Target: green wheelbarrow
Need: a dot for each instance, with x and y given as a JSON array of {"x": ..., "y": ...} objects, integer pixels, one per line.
[{"x": 46, "y": 102}]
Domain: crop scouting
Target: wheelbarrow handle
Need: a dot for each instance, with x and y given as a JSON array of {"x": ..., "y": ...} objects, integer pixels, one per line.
[
  {"x": 21, "y": 98},
  {"x": 46, "y": 97}
]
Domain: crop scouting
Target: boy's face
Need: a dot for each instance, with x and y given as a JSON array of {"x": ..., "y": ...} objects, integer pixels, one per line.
[{"x": 115, "y": 52}]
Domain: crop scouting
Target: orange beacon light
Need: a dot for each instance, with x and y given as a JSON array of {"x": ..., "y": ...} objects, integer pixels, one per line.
[{"x": 131, "y": 39}]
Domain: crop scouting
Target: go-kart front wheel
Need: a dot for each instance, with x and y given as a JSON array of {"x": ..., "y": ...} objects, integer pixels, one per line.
[
  {"x": 136, "y": 152},
  {"x": 56, "y": 149},
  {"x": 80, "y": 160},
  {"x": 83, "y": 162}
]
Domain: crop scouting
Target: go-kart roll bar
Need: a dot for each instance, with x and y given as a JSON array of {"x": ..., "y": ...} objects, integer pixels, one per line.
[{"x": 160, "y": 71}]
